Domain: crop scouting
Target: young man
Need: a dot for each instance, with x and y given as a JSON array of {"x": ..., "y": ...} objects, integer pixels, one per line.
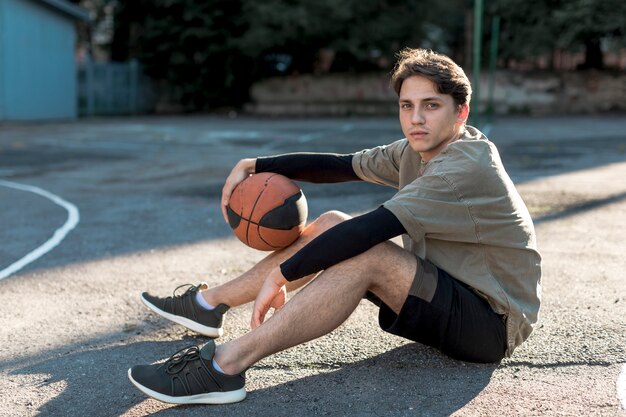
[{"x": 467, "y": 281}]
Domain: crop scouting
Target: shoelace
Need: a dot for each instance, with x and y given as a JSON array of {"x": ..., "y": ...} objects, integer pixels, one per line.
[
  {"x": 191, "y": 288},
  {"x": 178, "y": 360}
]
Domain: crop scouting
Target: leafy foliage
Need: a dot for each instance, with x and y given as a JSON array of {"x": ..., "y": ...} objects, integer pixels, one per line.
[
  {"x": 358, "y": 30},
  {"x": 213, "y": 50},
  {"x": 532, "y": 28},
  {"x": 193, "y": 46},
  {"x": 579, "y": 20}
]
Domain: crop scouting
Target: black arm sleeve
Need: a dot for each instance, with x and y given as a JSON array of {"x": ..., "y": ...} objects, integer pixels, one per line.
[
  {"x": 310, "y": 167},
  {"x": 342, "y": 242}
]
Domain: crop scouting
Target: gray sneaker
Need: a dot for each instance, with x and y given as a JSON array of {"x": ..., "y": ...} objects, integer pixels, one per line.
[
  {"x": 185, "y": 310},
  {"x": 188, "y": 377}
]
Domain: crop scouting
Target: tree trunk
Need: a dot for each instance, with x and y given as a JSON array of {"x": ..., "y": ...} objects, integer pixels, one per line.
[
  {"x": 121, "y": 36},
  {"x": 593, "y": 54}
]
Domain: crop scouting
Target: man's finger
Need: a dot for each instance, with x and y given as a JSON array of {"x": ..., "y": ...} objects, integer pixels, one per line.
[
  {"x": 224, "y": 212},
  {"x": 258, "y": 315},
  {"x": 277, "y": 302},
  {"x": 257, "y": 320},
  {"x": 254, "y": 322},
  {"x": 225, "y": 200}
]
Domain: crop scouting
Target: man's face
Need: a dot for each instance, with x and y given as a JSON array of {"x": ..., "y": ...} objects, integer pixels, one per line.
[{"x": 429, "y": 120}]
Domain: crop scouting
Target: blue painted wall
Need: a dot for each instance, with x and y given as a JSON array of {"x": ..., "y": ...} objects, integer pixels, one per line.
[{"x": 37, "y": 66}]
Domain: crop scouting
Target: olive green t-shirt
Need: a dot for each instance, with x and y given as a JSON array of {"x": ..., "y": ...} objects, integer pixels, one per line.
[{"x": 462, "y": 213}]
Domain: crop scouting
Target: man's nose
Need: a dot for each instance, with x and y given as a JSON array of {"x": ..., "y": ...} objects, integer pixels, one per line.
[{"x": 417, "y": 118}]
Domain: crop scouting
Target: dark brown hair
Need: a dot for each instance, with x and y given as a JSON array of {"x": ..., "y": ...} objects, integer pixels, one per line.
[{"x": 440, "y": 69}]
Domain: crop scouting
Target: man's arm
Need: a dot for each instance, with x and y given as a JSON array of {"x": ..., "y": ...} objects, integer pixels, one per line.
[
  {"x": 342, "y": 242},
  {"x": 310, "y": 167}
]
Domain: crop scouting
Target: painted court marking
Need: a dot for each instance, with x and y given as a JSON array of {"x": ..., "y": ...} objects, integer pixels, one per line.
[{"x": 73, "y": 217}]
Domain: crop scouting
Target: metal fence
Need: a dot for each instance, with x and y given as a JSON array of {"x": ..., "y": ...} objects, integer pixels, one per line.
[{"x": 113, "y": 88}]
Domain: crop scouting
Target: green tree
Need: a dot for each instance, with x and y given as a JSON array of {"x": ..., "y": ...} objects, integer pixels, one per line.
[
  {"x": 211, "y": 51},
  {"x": 357, "y": 30},
  {"x": 193, "y": 45},
  {"x": 588, "y": 22},
  {"x": 539, "y": 27}
]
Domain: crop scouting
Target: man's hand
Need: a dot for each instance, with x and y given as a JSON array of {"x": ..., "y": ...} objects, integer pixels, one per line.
[
  {"x": 240, "y": 172},
  {"x": 273, "y": 294}
]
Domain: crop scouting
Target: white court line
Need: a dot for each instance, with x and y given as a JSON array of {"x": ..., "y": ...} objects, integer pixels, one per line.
[
  {"x": 73, "y": 218},
  {"x": 621, "y": 387}
]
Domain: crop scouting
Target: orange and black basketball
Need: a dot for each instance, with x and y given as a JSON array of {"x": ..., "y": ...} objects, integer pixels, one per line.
[{"x": 267, "y": 211}]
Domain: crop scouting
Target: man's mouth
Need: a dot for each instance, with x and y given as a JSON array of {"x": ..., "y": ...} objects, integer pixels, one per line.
[{"x": 418, "y": 134}]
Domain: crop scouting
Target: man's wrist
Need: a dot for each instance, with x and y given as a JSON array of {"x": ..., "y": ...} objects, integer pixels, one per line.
[
  {"x": 283, "y": 269},
  {"x": 246, "y": 165},
  {"x": 249, "y": 165}
]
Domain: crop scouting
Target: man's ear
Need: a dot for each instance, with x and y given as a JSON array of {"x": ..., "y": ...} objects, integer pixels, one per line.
[{"x": 463, "y": 113}]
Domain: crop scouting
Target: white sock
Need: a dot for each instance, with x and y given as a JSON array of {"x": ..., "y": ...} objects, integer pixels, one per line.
[
  {"x": 200, "y": 300},
  {"x": 217, "y": 367}
]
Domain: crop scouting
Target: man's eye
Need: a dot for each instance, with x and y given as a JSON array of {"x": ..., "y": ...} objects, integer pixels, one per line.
[
  {"x": 405, "y": 106},
  {"x": 432, "y": 106}
]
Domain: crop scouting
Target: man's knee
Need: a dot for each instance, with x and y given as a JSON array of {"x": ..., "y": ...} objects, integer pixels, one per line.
[
  {"x": 326, "y": 221},
  {"x": 384, "y": 262}
]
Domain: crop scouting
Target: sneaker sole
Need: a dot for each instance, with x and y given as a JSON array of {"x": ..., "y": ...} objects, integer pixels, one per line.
[
  {"x": 226, "y": 397},
  {"x": 183, "y": 321}
]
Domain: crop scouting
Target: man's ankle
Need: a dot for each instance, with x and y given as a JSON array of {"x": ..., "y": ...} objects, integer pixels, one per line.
[
  {"x": 225, "y": 366},
  {"x": 202, "y": 301}
]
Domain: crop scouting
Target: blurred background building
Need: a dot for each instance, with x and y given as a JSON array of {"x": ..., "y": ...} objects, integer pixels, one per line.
[{"x": 37, "y": 65}]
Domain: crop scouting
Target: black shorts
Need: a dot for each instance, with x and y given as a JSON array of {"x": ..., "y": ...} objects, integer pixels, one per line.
[{"x": 446, "y": 314}]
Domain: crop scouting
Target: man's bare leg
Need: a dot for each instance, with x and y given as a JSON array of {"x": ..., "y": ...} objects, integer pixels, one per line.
[
  {"x": 386, "y": 270},
  {"x": 245, "y": 288}
]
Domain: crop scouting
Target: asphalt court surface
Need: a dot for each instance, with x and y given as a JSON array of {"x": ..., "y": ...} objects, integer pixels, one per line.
[
  {"x": 147, "y": 190},
  {"x": 29, "y": 227}
]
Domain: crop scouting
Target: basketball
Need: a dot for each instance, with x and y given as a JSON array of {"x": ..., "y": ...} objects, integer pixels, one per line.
[{"x": 267, "y": 211}]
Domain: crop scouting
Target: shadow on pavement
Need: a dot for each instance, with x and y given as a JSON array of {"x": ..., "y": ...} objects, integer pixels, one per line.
[
  {"x": 411, "y": 379},
  {"x": 529, "y": 364},
  {"x": 580, "y": 208},
  {"x": 95, "y": 379}
]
